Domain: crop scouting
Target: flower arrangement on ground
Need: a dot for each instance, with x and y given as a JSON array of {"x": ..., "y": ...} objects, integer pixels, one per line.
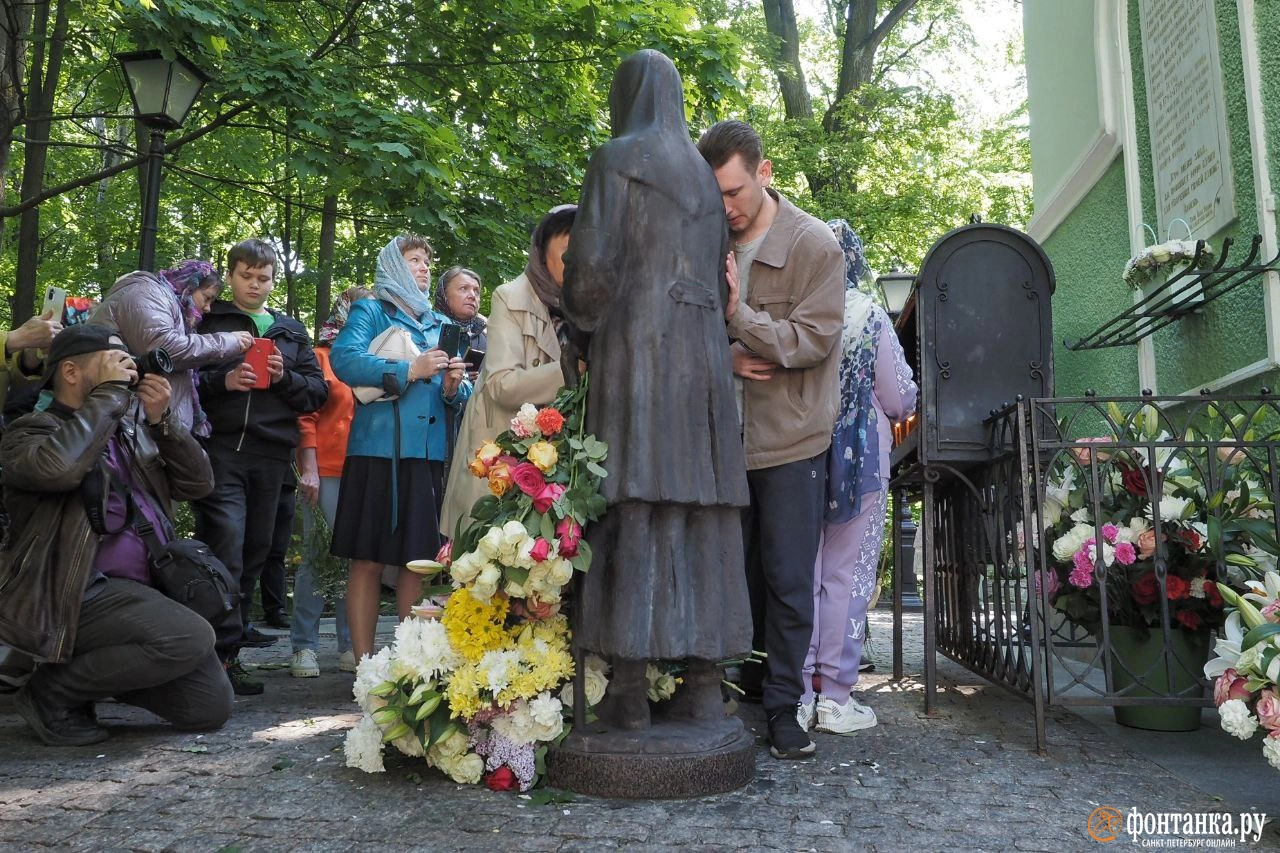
[
  {"x": 1156, "y": 531},
  {"x": 1247, "y": 666},
  {"x": 478, "y": 691}
]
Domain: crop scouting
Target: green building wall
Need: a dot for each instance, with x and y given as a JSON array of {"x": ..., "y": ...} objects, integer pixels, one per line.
[{"x": 1090, "y": 247}]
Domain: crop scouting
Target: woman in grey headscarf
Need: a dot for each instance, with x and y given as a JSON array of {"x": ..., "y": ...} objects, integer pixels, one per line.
[{"x": 392, "y": 482}]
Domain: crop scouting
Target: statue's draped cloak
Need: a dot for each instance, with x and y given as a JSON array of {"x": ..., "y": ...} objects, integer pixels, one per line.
[{"x": 644, "y": 275}]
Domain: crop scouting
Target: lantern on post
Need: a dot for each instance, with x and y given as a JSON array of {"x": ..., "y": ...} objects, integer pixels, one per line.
[
  {"x": 163, "y": 92},
  {"x": 896, "y": 285}
]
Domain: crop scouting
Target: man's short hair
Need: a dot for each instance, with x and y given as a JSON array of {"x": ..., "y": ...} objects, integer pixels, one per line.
[
  {"x": 252, "y": 253},
  {"x": 407, "y": 242},
  {"x": 726, "y": 138}
]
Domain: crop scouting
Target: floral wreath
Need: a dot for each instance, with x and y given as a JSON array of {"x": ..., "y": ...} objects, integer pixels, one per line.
[{"x": 1143, "y": 267}]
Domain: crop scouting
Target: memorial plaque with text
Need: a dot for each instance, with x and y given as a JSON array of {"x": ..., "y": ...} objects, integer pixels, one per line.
[{"x": 1185, "y": 106}]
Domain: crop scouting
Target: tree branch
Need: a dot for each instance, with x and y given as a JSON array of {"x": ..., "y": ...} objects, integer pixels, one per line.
[
  {"x": 889, "y": 21},
  {"x": 85, "y": 180}
]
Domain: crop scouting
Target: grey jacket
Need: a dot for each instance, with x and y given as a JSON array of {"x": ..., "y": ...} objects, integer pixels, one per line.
[{"x": 143, "y": 310}]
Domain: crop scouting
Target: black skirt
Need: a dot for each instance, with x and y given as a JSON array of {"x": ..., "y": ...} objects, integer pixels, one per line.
[{"x": 365, "y": 528}]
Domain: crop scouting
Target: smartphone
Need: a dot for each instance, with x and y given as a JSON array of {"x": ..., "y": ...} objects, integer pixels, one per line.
[
  {"x": 256, "y": 357},
  {"x": 450, "y": 339},
  {"x": 55, "y": 300},
  {"x": 474, "y": 358}
]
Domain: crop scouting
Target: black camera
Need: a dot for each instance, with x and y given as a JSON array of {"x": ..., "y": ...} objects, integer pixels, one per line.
[{"x": 156, "y": 361}]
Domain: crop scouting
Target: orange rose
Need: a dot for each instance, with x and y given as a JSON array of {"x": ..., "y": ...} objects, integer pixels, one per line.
[
  {"x": 475, "y": 466},
  {"x": 500, "y": 476},
  {"x": 1146, "y": 544}
]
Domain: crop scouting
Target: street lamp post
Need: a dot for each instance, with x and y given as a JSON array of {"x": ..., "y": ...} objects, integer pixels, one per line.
[
  {"x": 163, "y": 91},
  {"x": 896, "y": 285}
]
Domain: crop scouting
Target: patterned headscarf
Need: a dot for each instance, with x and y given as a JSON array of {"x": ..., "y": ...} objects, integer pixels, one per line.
[
  {"x": 855, "y": 259},
  {"x": 394, "y": 281},
  {"x": 477, "y": 325},
  {"x": 337, "y": 318},
  {"x": 185, "y": 279}
]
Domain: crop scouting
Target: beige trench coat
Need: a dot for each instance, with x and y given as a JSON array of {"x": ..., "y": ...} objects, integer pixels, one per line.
[{"x": 522, "y": 366}]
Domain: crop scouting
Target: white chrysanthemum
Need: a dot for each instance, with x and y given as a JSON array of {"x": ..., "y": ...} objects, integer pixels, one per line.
[
  {"x": 1236, "y": 719},
  {"x": 363, "y": 746},
  {"x": 422, "y": 649},
  {"x": 1172, "y": 508},
  {"x": 1073, "y": 540},
  {"x": 1081, "y": 516},
  {"x": 1271, "y": 749},
  {"x": 371, "y": 672},
  {"x": 1138, "y": 525},
  {"x": 497, "y": 668},
  {"x": 547, "y": 710},
  {"x": 1197, "y": 587},
  {"x": 515, "y": 724}
]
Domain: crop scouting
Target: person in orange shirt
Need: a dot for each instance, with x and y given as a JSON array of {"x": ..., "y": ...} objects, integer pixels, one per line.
[{"x": 321, "y": 454}]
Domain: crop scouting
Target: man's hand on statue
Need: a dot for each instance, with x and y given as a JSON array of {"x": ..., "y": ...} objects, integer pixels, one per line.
[
  {"x": 731, "y": 273},
  {"x": 154, "y": 392},
  {"x": 748, "y": 365}
]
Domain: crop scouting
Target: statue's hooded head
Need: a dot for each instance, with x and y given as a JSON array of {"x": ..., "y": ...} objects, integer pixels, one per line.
[{"x": 647, "y": 93}]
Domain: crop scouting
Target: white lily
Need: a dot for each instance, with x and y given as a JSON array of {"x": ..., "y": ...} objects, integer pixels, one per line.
[
  {"x": 1265, "y": 591},
  {"x": 1227, "y": 647}
]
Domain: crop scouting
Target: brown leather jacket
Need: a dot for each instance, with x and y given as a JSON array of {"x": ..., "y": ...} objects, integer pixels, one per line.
[{"x": 44, "y": 456}]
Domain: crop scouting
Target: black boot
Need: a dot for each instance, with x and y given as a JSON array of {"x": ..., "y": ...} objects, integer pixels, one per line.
[{"x": 57, "y": 725}]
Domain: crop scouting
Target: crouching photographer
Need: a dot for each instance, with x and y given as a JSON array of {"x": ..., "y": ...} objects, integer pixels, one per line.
[{"x": 89, "y": 483}]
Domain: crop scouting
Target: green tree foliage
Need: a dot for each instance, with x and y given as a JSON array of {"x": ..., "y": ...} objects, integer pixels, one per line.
[{"x": 464, "y": 121}]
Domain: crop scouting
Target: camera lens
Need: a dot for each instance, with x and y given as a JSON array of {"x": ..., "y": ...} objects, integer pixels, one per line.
[{"x": 156, "y": 361}]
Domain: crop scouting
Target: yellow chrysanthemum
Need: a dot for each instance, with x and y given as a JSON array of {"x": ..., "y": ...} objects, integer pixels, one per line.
[
  {"x": 463, "y": 692},
  {"x": 474, "y": 626}
]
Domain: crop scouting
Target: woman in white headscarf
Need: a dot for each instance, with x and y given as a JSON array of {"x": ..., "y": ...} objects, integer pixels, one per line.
[{"x": 392, "y": 482}]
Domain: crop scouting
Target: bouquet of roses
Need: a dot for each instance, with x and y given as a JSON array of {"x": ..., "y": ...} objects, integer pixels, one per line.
[
  {"x": 1144, "y": 266},
  {"x": 1247, "y": 665},
  {"x": 544, "y": 474}
]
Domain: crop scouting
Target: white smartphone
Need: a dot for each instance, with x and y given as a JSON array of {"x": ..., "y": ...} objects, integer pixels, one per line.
[{"x": 55, "y": 300}]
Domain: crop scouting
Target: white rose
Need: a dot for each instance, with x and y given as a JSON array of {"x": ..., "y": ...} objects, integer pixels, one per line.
[
  {"x": 490, "y": 545},
  {"x": 468, "y": 769},
  {"x": 597, "y": 682},
  {"x": 1236, "y": 719},
  {"x": 409, "y": 745},
  {"x": 466, "y": 567},
  {"x": 486, "y": 583},
  {"x": 451, "y": 746}
]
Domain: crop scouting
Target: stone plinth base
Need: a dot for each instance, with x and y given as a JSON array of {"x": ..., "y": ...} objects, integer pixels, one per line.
[{"x": 670, "y": 759}]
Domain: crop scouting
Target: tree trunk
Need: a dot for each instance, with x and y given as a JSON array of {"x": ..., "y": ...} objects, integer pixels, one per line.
[
  {"x": 42, "y": 84},
  {"x": 14, "y": 44},
  {"x": 105, "y": 249},
  {"x": 324, "y": 259},
  {"x": 780, "y": 20}
]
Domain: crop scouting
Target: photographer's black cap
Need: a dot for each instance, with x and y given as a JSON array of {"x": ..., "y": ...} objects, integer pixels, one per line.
[{"x": 77, "y": 340}]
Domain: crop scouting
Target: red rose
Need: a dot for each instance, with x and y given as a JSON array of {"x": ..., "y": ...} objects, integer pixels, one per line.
[
  {"x": 540, "y": 551},
  {"x": 1189, "y": 619},
  {"x": 1146, "y": 589},
  {"x": 528, "y": 478},
  {"x": 569, "y": 533},
  {"x": 1134, "y": 483},
  {"x": 502, "y": 779},
  {"x": 1178, "y": 588},
  {"x": 1190, "y": 538},
  {"x": 550, "y": 421},
  {"x": 549, "y": 494}
]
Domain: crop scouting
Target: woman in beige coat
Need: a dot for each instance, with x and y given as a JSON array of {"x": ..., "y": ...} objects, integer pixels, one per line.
[{"x": 523, "y": 361}]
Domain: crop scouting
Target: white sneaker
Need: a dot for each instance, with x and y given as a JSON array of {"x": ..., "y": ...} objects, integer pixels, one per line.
[
  {"x": 347, "y": 661},
  {"x": 804, "y": 714},
  {"x": 304, "y": 664},
  {"x": 844, "y": 719}
]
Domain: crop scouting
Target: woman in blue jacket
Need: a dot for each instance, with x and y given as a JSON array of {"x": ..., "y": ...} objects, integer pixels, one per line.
[{"x": 392, "y": 483}]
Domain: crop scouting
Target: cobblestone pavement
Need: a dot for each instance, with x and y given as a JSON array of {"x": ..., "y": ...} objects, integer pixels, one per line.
[{"x": 967, "y": 777}]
